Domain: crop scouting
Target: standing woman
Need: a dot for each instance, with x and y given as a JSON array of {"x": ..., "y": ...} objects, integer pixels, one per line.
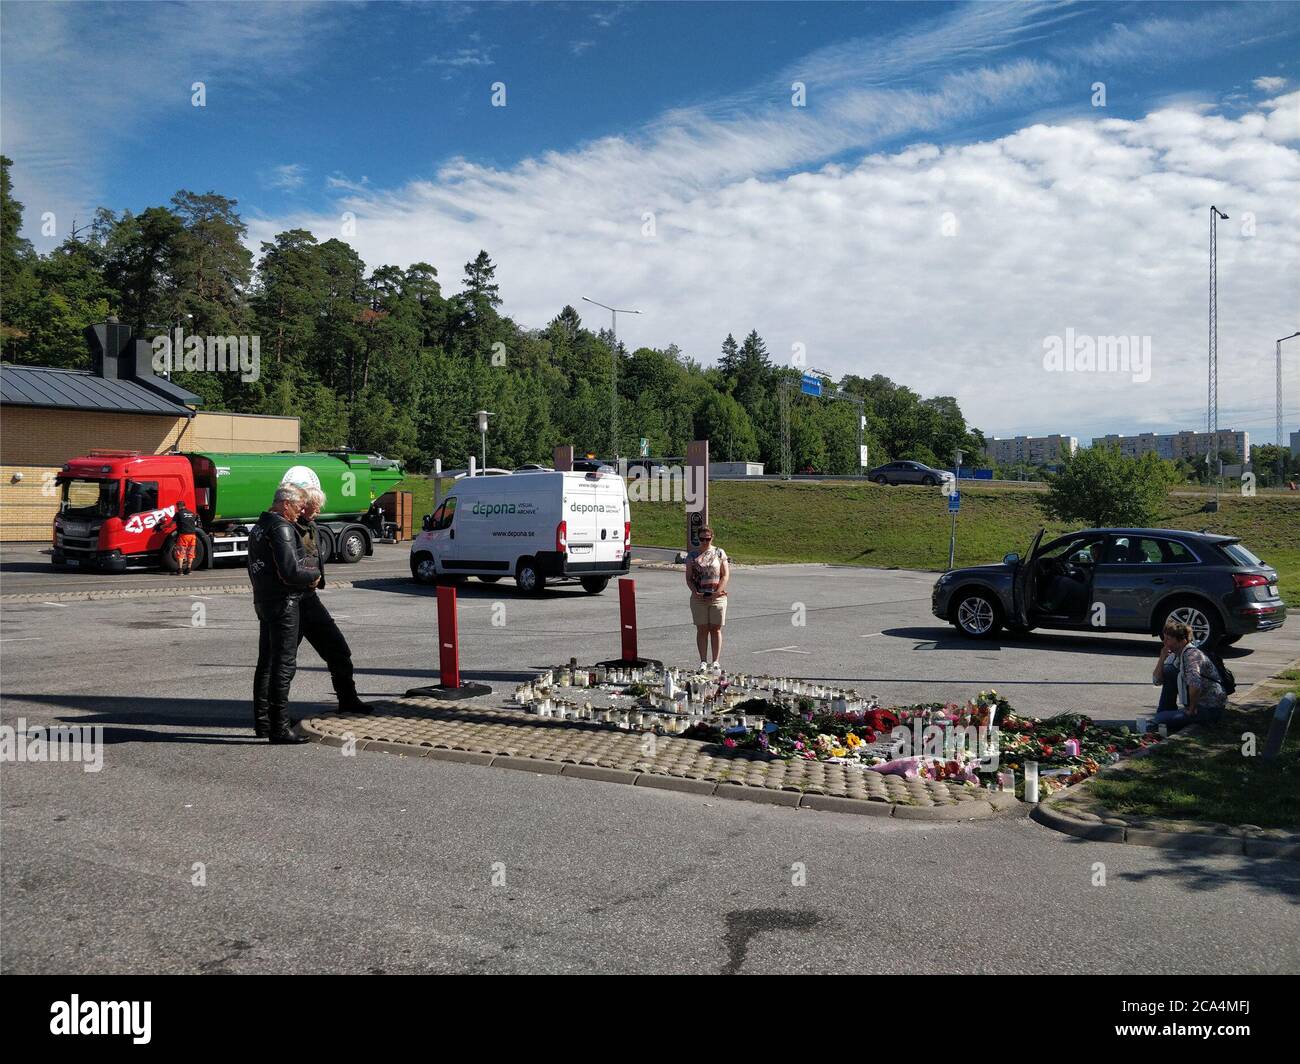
[{"x": 707, "y": 575}]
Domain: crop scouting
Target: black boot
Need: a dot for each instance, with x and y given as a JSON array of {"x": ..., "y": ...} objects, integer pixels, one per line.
[
  {"x": 354, "y": 705},
  {"x": 281, "y": 732},
  {"x": 261, "y": 722}
]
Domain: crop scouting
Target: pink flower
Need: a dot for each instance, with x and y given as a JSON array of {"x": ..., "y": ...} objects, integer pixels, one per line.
[
  {"x": 728, "y": 742},
  {"x": 799, "y": 746}
]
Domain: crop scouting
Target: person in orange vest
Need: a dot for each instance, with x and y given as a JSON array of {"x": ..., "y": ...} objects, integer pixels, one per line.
[{"x": 187, "y": 527}]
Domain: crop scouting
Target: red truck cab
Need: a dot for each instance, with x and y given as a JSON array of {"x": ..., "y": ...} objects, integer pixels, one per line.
[{"x": 117, "y": 507}]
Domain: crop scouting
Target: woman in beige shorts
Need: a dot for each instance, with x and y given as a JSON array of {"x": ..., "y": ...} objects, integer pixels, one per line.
[{"x": 707, "y": 575}]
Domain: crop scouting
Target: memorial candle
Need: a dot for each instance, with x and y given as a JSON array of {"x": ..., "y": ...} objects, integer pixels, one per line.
[{"x": 1031, "y": 782}]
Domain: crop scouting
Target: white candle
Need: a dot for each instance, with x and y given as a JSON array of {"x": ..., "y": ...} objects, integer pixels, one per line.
[{"x": 1031, "y": 782}]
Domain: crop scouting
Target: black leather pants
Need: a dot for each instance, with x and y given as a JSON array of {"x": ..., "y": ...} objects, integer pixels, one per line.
[
  {"x": 277, "y": 660},
  {"x": 320, "y": 631}
]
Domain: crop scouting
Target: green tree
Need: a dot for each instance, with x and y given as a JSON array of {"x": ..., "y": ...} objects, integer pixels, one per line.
[{"x": 1101, "y": 487}]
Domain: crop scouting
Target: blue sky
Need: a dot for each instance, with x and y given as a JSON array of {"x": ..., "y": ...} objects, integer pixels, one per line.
[{"x": 950, "y": 195}]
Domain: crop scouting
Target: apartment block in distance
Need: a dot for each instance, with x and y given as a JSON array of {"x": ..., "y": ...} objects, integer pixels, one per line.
[
  {"x": 1031, "y": 450},
  {"x": 1176, "y": 445}
]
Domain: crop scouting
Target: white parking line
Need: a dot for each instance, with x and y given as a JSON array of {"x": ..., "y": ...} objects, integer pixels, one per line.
[
  {"x": 61, "y": 605},
  {"x": 788, "y": 650}
]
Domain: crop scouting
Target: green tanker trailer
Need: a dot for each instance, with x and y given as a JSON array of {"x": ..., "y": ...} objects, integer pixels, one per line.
[{"x": 117, "y": 506}]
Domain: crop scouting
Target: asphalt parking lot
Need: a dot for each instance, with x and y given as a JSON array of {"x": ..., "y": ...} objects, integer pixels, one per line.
[
  {"x": 316, "y": 861},
  {"x": 866, "y": 628}
]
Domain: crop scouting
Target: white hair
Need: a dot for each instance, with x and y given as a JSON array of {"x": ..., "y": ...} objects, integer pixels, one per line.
[
  {"x": 289, "y": 493},
  {"x": 316, "y": 496}
]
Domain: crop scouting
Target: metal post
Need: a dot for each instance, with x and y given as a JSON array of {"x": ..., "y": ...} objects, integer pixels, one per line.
[
  {"x": 1212, "y": 411},
  {"x": 1281, "y": 475},
  {"x": 613, "y": 373},
  {"x": 627, "y": 616}
]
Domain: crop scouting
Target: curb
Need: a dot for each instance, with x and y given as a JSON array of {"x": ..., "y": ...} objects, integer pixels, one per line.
[
  {"x": 1234, "y": 841},
  {"x": 1210, "y": 839},
  {"x": 982, "y": 808}
]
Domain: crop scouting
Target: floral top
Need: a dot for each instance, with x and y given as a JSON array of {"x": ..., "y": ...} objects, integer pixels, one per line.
[
  {"x": 1197, "y": 672},
  {"x": 705, "y": 569}
]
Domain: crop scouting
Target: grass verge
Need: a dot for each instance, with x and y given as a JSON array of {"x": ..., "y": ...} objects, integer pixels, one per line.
[
  {"x": 1207, "y": 777},
  {"x": 854, "y": 523}
]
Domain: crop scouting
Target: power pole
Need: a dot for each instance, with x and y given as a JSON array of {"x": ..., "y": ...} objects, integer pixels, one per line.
[
  {"x": 1212, "y": 406},
  {"x": 1278, "y": 352},
  {"x": 613, "y": 374},
  {"x": 786, "y": 458}
]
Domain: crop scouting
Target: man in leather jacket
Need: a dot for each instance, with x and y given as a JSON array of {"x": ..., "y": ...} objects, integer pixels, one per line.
[
  {"x": 281, "y": 572},
  {"x": 315, "y": 624}
]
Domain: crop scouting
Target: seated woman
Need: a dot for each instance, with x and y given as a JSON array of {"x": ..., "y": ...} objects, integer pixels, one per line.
[{"x": 1191, "y": 688}]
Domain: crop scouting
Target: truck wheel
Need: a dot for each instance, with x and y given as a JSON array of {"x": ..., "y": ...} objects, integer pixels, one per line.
[
  {"x": 594, "y": 585},
  {"x": 529, "y": 577},
  {"x": 423, "y": 569},
  {"x": 352, "y": 546},
  {"x": 325, "y": 544}
]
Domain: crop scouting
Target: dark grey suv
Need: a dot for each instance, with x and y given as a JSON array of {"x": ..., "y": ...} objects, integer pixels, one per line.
[{"x": 1118, "y": 580}]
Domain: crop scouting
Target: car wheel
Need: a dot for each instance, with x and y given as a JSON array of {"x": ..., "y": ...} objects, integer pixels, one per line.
[
  {"x": 929, "y": 481},
  {"x": 594, "y": 585},
  {"x": 423, "y": 569},
  {"x": 529, "y": 578},
  {"x": 1204, "y": 622},
  {"x": 883, "y": 481},
  {"x": 976, "y": 615}
]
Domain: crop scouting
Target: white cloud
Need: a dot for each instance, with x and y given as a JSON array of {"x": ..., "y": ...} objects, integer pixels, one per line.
[
  {"x": 462, "y": 57},
  {"x": 1096, "y": 225},
  {"x": 287, "y": 177},
  {"x": 79, "y": 90},
  {"x": 1270, "y": 84}
]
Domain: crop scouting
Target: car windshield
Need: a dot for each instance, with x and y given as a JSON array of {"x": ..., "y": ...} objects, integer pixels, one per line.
[
  {"x": 1240, "y": 554},
  {"x": 84, "y": 499}
]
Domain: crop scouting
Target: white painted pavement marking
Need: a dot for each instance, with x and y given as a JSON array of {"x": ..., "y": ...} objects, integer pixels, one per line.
[
  {"x": 792, "y": 649},
  {"x": 20, "y": 638},
  {"x": 61, "y": 605}
]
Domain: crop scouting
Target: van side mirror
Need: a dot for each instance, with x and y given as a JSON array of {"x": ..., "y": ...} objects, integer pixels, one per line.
[
  {"x": 427, "y": 523},
  {"x": 1010, "y": 559}
]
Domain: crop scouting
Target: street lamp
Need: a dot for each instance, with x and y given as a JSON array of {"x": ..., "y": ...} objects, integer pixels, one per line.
[
  {"x": 614, "y": 312},
  {"x": 1278, "y": 349},
  {"x": 483, "y": 416}
]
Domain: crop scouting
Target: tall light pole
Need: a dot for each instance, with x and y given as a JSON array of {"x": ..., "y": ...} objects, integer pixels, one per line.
[
  {"x": 1278, "y": 349},
  {"x": 1212, "y": 411},
  {"x": 483, "y": 416},
  {"x": 614, "y": 312}
]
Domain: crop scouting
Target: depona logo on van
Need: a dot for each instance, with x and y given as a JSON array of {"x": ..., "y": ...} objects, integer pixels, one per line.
[
  {"x": 488, "y": 509},
  {"x": 595, "y": 508}
]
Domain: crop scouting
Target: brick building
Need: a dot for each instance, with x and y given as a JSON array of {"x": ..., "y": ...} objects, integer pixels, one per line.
[{"x": 50, "y": 415}]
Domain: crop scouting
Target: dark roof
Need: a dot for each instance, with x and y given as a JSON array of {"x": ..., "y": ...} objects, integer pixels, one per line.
[{"x": 71, "y": 389}]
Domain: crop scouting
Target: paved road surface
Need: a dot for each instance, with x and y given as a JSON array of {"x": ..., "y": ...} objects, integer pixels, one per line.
[{"x": 318, "y": 861}]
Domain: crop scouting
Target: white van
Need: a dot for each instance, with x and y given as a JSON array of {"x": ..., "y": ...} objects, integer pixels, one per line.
[{"x": 536, "y": 526}]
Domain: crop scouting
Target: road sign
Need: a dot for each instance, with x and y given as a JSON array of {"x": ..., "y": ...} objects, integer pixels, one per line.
[
  {"x": 645, "y": 447},
  {"x": 862, "y": 456},
  {"x": 954, "y": 502},
  {"x": 810, "y": 385}
]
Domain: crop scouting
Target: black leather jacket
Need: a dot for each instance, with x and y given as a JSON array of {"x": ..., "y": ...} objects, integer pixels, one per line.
[{"x": 277, "y": 564}]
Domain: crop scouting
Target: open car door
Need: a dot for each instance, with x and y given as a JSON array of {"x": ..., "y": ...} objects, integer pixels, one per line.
[{"x": 1022, "y": 583}]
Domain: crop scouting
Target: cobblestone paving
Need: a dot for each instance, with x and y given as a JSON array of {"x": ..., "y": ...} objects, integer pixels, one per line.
[{"x": 431, "y": 724}]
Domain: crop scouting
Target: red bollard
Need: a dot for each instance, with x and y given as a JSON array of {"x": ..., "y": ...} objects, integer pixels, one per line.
[
  {"x": 449, "y": 685},
  {"x": 627, "y": 616},
  {"x": 448, "y": 641}
]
